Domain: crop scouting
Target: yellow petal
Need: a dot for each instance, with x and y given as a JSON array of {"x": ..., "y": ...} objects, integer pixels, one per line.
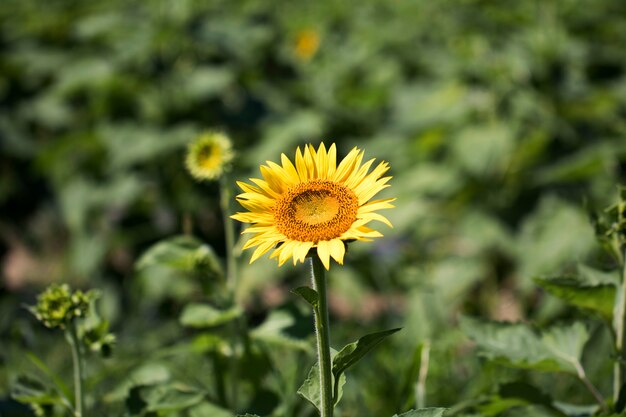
[
  {"x": 332, "y": 160},
  {"x": 289, "y": 168},
  {"x": 309, "y": 160},
  {"x": 303, "y": 172},
  {"x": 262, "y": 249},
  {"x": 337, "y": 250},
  {"x": 323, "y": 251},
  {"x": 301, "y": 250},
  {"x": 376, "y": 205},
  {"x": 322, "y": 162},
  {"x": 375, "y": 216}
]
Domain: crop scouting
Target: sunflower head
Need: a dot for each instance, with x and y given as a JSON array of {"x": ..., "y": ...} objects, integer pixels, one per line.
[
  {"x": 313, "y": 204},
  {"x": 209, "y": 156},
  {"x": 307, "y": 43}
]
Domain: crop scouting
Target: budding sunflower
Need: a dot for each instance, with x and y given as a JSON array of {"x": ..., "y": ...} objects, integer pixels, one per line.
[
  {"x": 57, "y": 306},
  {"x": 209, "y": 156},
  {"x": 307, "y": 44}
]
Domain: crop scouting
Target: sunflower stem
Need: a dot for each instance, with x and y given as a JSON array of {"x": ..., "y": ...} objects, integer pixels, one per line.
[
  {"x": 229, "y": 235},
  {"x": 77, "y": 360},
  {"x": 231, "y": 282},
  {"x": 322, "y": 331},
  {"x": 619, "y": 323}
]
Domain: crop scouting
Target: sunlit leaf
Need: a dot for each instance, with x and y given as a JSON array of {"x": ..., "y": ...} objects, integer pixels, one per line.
[
  {"x": 556, "y": 349},
  {"x": 423, "y": 412},
  {"x": 205, "y": 315},
  {"x": 599, "y": 298}
]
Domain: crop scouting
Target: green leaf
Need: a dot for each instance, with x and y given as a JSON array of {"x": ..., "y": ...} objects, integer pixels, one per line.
[
  {"x": 183, "y": 253},
  {"x": 272, "y": 331},
  {"x": 557, "y": 349},
  {"x": 308, "y": 294},
  {"x": 353, "y": 352},
  {"x": 514, "y": 394},
  {"x": 205, "y": 409},
  {"x": 598, "y": 298},
  {"x": 247, "y": 415},
  {"x": 423, "y": 412},
  {"x": 58, "y": 382},
  {"x": 204, "y": 315},
  {"x": 30, "y": 390},
  {"x": 170, "y": 397},
  {"x": 310, "y": 388}
]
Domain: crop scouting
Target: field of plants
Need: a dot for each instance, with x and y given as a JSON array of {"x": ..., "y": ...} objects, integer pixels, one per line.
[{"x": 476, "y": 267}]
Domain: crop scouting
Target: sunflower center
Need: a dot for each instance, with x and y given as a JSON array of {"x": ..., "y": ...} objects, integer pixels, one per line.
[
  {"x": 315, "y": 210},
  {"x": 209, "y": 156}
]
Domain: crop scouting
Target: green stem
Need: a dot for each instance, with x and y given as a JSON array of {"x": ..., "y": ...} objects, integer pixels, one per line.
[
  {"x": 420, "y": 386},
  {"x": 229, "y": 234},
  {"x": 231, "y": 282},
  {"x": 619, "y": 368},
  {"x": 322, "y": 331},
  {"x": 77, "y": 360}
]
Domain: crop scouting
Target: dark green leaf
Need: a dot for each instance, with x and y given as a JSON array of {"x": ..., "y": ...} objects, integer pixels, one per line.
[
  {"x": 30, "y": 390},
  {"x": 556, "y": 349},
  {"x": 206, "y": 409},
  {"x": 170, "y": 397},
  {"x": 308, "y": 294},
  {"x": 353, "y": 352},
  {"x": 204, "y": 315},
  {"x": 272, "y": 331},
  {"x": 310, "y": 388},
  {"x": 58, "y": 382},
  {"x": 599, "y": 298},
  {"x": 183, "y": 253},
  {"x": 423, "y": 412}
]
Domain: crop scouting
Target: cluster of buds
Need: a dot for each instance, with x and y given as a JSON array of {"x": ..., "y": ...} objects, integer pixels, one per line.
[
  {"x": 57, "y": 306},
  {"x": 610, "y": 226}
]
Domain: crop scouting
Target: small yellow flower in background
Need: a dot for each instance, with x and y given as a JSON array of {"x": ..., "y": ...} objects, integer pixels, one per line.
[
  {"x": 209, "y": 156},
  {"x": 313, "y": 204},
  {"x": 307, "y": 43}
]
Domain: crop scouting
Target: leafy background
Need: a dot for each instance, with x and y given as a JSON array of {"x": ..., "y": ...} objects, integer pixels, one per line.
[{"x": 502, "y": 122}]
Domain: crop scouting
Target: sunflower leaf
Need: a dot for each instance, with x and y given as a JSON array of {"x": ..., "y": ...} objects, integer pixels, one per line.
[
  {"x": 308, "y": 294},
  {"x": 598, "y": 298},
  {"x": 423, "y": 412},
  {"x": 310, "y": 388},
  {"x": 204, "y": 315},
  {"x": 353, "y": 352},
  {"x": 556, "y": 349}
]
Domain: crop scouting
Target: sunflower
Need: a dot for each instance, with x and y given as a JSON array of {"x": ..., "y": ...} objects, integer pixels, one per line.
[
  {"x": 313, "y": 204},
  {"x": 209, "y": 156}
]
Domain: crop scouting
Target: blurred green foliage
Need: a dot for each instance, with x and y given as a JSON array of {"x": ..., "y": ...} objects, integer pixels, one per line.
[{"x": 501, "y": 120}]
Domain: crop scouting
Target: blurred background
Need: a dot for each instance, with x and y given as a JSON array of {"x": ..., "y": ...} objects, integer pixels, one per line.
[{"x": 502, "y": 122}]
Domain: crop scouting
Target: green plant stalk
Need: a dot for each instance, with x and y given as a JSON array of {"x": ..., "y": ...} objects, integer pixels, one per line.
[
  {"x": 229, "y": 234},
  {"x": 231, "y": 282},
  {"x": 619, "y": 368},
  {"x": 322, "y": 332},
  {"x": 77, "y": 360},
  {"x": 420, "y": 386}
]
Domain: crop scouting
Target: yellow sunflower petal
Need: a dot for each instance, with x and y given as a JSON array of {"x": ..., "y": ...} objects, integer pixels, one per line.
[
  {"x": 261, "y": 250},
  {"x": 322, "y": 162},
  {"x": 303, "y": 172},
  {"x": 337, "y": 250},
  {"x": 301, "y": 250},
  {"x": 323, "y": 251},
  {"x": 375, "y": 216},
  {"x": 309, "y": 161},
  {"x": 332, "y": 161}
]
